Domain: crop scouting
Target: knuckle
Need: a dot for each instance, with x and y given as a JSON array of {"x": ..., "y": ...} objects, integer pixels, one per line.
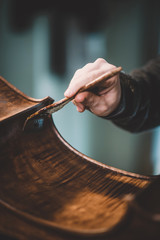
[
  {"x": 77, "y": 72},
  {"x": 88, "y": 67},
  {"x": 100, "y": 61}
]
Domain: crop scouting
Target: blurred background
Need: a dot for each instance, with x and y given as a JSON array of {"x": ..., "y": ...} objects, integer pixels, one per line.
[{"x": 42, "y": 44}]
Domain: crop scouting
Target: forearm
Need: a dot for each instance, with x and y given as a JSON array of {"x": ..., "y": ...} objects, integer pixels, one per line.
[{"x": 138, "y": 109}]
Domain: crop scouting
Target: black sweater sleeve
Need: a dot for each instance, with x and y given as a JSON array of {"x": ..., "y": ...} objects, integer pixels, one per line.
[{"x": 139, "y": 108}]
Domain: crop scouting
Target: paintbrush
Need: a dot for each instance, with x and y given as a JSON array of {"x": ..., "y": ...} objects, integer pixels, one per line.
[{"x": 54, "y": 107}]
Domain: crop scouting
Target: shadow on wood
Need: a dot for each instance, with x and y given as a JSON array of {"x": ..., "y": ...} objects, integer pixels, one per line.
[{"x": 49, "y": 190}]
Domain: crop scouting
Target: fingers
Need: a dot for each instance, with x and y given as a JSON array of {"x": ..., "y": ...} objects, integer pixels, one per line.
[
  {"x": 87, "y": 100},
  {"x": 102, "y": 100},
  {"x": 81, "y": 101},
  {"x": 80, "y": 107},
  {"x": 88, "y": 73}
]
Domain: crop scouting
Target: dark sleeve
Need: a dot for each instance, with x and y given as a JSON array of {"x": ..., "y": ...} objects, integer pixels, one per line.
[{"x": 139, "y": 108}]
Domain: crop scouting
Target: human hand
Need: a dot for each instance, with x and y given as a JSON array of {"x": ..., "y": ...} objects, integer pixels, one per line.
[{"x": 105, "y": 99}]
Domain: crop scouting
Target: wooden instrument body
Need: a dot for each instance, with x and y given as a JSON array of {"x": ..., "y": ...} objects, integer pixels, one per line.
[{"x": 49, "y": 190}]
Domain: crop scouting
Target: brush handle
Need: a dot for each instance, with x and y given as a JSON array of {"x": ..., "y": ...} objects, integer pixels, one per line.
[
  {"x": 100, "y": 79},
  {"x": 61, "y": 103},
  {"x": 58, "y": 105}
]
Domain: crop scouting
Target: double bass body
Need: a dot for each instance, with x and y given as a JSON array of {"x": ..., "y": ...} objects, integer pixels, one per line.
[{"x": 49, "y": 190}]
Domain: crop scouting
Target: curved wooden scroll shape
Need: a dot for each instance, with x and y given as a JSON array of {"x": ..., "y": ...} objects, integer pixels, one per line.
[{"x": 48, "y": 190}]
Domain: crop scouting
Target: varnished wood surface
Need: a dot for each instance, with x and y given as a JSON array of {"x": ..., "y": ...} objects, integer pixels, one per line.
[{"x": 48, "y": 190}]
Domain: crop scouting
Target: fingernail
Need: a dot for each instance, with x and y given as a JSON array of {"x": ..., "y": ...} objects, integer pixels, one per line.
[{"x": 80, "y": 108}]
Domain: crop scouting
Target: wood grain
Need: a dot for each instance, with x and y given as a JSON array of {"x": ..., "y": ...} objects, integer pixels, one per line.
[{"x": 49, "y": 190}]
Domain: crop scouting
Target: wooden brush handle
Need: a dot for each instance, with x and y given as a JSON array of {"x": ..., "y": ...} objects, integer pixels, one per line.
[
  {"x": 100, "y": 79},
  {"x": 61, "y": 103}
]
